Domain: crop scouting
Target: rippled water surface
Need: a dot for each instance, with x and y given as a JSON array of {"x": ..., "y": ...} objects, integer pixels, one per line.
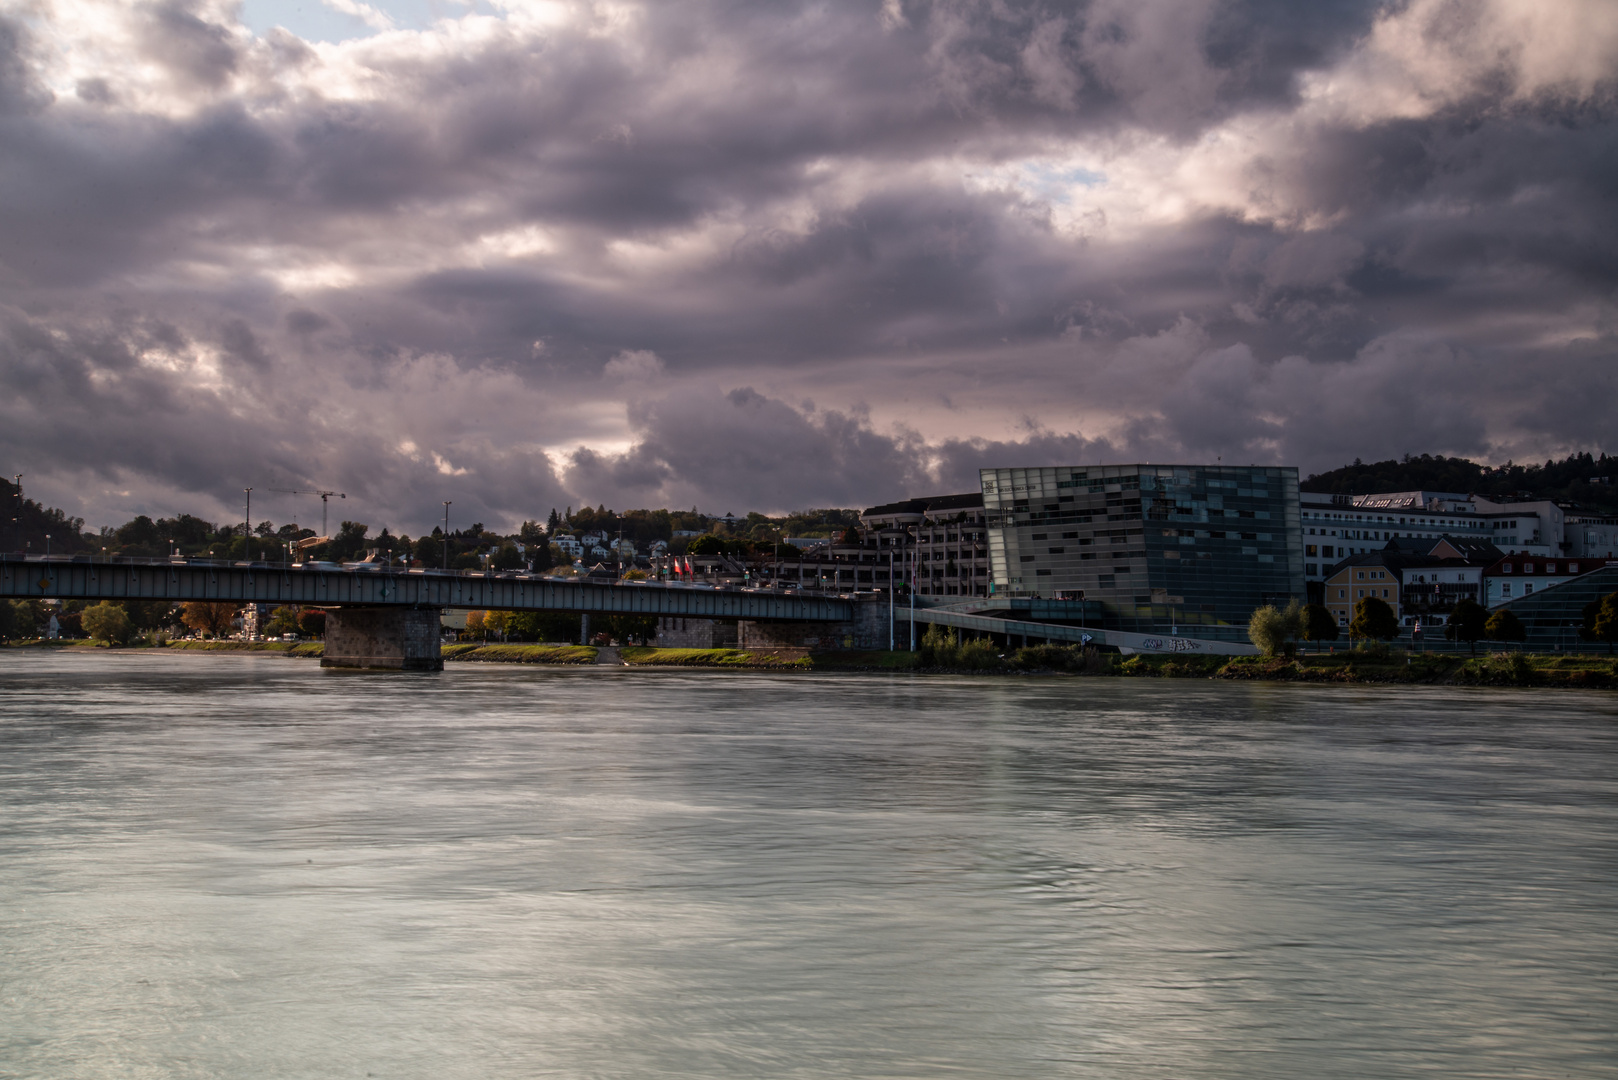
[{"x": 217, "y": 866}]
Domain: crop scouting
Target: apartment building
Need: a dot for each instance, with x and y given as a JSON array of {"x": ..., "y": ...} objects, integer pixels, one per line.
[{"x": 940, "y": 542}]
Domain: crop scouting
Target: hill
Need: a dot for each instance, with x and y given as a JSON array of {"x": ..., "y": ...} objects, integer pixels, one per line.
[{"x": 1579, "y": 478}]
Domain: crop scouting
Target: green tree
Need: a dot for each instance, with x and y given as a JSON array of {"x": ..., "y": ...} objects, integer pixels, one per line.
[
  {"x": 349, "y": 542},
  {"x": 1267, "y": 628},
  {"x": 1373, "y": 621},
  {"x": 1504, "y": 625},
  {"x": 283, "y": 620},
  {"x": 107, "y": 622},
  {"x": 1467, "y": 621},
  {"x": 543, "y": 626},
  {"x": 507, "y": 557},
  {"x": 1318, "y": 624},
  {"x": 1601, "y": 620}
]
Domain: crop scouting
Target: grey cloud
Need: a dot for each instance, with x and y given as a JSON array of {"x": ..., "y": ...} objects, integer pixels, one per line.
[{"x": 800, "y": 199}]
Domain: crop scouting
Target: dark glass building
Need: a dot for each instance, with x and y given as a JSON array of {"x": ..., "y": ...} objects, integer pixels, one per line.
[{"x": 1164, "y": 548}]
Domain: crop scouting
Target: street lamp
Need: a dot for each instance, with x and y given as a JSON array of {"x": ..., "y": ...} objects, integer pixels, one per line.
[
  {"x": 247, "y": 528},
  {"x": 446, "y": 532}
]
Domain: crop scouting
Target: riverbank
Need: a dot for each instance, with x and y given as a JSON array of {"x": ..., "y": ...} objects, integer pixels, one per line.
[{"x": 1374, "y": 665}]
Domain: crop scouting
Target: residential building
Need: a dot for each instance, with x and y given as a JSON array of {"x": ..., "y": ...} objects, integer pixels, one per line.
[
  {"x": 1421, "y": 587},
  {"x": 1164, "y": 548},
  {"x": 1338, "y": 526},
  {"x": 1590, "y": 536},
  {"x": 1513, "y": 577}
]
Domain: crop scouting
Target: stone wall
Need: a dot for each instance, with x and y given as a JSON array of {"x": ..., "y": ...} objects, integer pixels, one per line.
[
  {"x": 387, "y": 639},
  {"x": 681, "y": 633},
  {"x": 867, "y": 630}
]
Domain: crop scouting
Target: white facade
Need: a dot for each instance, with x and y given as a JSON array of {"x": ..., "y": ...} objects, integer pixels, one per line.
[{"x": 1591, "y": 537}]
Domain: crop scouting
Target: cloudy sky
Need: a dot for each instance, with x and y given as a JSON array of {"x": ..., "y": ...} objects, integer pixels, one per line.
[{"x": 769, "y": 255}]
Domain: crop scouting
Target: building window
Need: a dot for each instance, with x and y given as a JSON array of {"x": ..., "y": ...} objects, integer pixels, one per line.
[
  {"x": 1527, "y": 587},
  {"x": 1505, "y": 588}
]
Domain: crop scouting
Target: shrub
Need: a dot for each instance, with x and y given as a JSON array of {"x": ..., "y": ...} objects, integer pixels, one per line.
[{"x": 1373, "y": 619}]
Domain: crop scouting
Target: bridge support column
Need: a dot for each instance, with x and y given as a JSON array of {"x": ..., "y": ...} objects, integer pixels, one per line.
[
  {"x": 584, "y": 628},
  {"x": 383, "y": 639}
]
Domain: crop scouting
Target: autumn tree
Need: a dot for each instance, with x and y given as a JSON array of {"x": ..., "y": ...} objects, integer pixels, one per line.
[{"x": 208, "y": 618}]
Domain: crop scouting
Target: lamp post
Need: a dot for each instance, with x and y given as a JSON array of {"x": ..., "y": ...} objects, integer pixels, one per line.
[
  {"x": 16, "y": 519},
  {"x": 446, "y": 533},
  {"x": 247, "y": 527},
  {"x": 913, "y": 572}
]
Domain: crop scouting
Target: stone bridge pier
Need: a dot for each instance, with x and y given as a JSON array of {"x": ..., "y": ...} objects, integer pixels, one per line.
[{"x": 383, "y": 639}]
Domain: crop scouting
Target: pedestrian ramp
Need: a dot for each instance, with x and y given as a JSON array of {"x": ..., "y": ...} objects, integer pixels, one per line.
[{"x": 1124, "y": 641}]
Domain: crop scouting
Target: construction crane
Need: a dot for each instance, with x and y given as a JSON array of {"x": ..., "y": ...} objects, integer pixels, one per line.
[{"x": 324, "y": 497}]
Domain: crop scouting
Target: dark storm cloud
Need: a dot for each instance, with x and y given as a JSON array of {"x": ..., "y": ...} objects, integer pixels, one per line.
[{"x": 611, "y": 257}]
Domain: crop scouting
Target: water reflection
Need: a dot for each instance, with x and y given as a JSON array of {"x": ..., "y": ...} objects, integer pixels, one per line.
[{"x": 239, "y": 866}]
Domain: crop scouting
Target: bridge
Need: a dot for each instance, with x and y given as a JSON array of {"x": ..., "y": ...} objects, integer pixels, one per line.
[{"x": 388, "y": 617}]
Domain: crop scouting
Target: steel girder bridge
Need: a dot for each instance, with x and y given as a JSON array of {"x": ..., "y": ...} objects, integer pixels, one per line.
[{"x": 389, "y": 618}]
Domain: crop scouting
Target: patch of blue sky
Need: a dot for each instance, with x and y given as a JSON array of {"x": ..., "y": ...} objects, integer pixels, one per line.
[
  {"x": 317, "y": 20},
  {"x": 1056, "y": 183}
]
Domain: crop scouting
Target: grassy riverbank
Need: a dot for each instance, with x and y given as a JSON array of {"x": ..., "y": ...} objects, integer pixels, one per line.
[{"x": 1373, "y": 665}]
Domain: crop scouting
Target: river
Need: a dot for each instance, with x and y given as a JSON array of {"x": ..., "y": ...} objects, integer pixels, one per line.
[{"x": 243, "y": 866}]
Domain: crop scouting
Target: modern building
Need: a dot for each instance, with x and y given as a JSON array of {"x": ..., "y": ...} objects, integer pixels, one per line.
[
  {"x": 1554, "y": 616},
  {"x": 1513, "y": 577},
  {"x": 1164, "y": 548}
]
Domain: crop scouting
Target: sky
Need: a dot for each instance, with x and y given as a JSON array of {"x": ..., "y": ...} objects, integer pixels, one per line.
[{"x": 523, "y": 254}]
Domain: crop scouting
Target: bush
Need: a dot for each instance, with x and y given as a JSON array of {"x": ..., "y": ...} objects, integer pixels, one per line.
[{"x": 107, "y": 622}]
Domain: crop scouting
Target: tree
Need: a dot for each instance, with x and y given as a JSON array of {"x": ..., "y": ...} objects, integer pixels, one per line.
[
  {"x": 208, "y": 618},
  {"x": 543, "y": 626},
  {"x": 1601, "y": 620},
  {"x": 312, "y": 622},
  {"x": 348, "y": 543},
  {"x": 474, "y": 622},
  {"x": 1373, "y": 620},
  {"x": 1504, "y": 625},
  {"x": 1467, "y": 622},
  {"x": 1318, "y": 624},
  {"x": 507, "y": 558},
  {"x": 497, "y": 623},
  {"x": 1267, "y": 628},
  {"x": 107, "y": 622},
  {"x": 283, "y": 620}
]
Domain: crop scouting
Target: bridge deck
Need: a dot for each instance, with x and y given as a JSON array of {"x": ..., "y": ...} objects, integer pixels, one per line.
[{"x": 332, "y": 587}]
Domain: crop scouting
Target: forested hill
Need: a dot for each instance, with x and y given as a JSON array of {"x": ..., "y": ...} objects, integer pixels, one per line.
[{"x": 1582, "y": 478}]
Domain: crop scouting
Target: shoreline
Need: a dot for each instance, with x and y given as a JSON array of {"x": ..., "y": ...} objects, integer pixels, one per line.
[{"x": 1350, "y": 667}]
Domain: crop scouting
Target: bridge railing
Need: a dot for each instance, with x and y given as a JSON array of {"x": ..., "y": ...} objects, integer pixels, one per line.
[{"x": 90, "y": 559}]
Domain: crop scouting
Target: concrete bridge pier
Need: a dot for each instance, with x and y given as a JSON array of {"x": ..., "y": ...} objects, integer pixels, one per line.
[{"x": 383, "y": 639}]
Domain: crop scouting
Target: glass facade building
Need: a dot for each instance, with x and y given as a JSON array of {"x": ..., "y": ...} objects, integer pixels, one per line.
[{"x": 1192, "y": 548}]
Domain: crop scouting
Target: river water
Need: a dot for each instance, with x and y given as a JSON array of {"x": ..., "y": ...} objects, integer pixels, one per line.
[{"x": 239, "y": 866}]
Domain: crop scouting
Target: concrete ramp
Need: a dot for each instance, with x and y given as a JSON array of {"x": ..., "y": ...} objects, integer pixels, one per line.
[{"x": 1125, "y": 642}]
